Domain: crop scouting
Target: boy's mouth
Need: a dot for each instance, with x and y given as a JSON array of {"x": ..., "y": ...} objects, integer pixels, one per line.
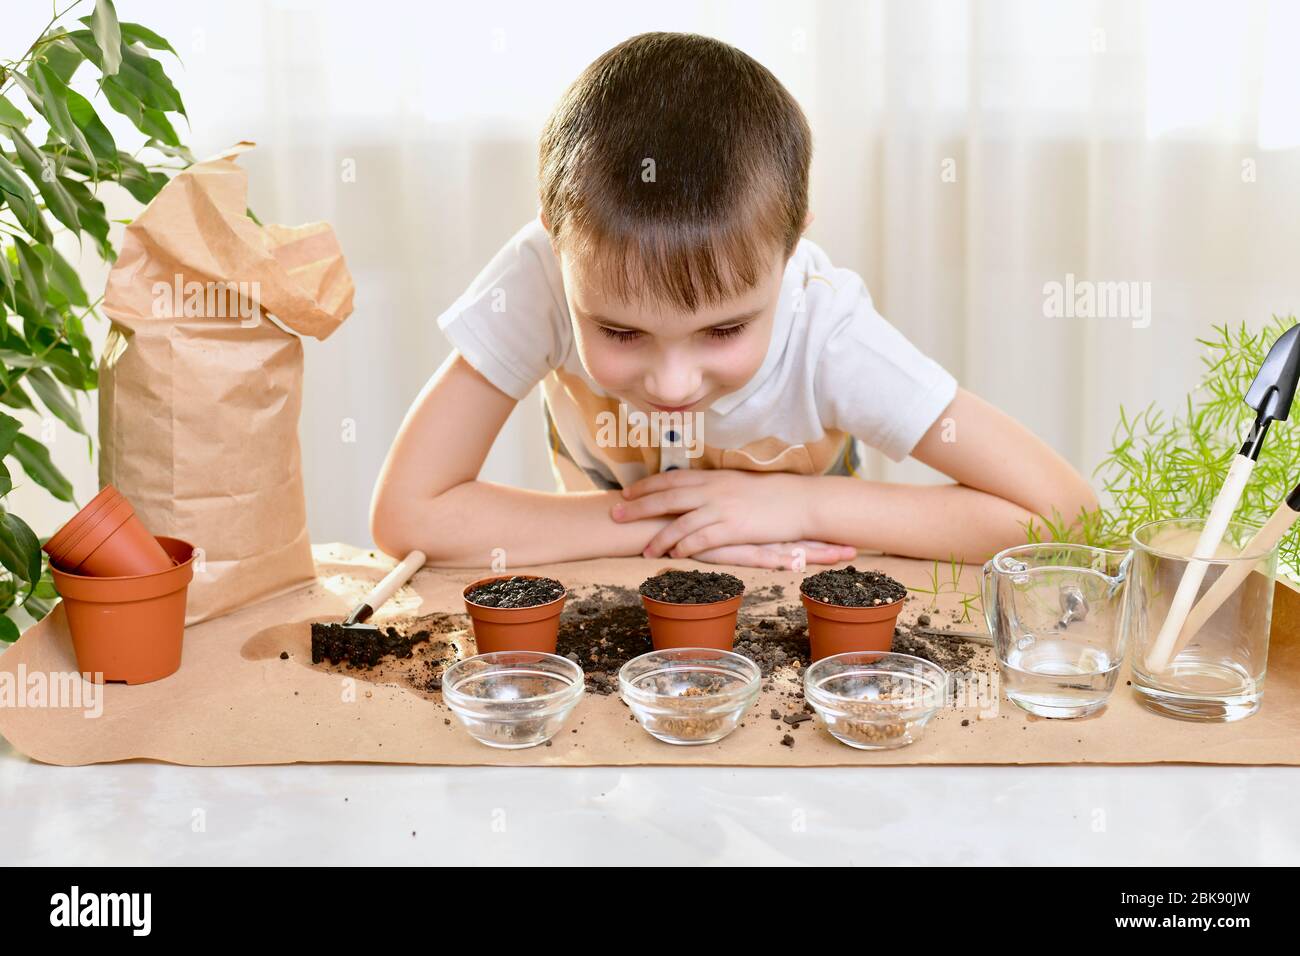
[{"x": 671, "y": 407}]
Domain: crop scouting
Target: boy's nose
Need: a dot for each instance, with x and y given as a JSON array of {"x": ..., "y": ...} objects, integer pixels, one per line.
[{"x": 672, "y": 386}]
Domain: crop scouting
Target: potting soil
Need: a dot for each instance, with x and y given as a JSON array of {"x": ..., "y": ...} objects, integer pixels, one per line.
[
  {"x": 849, "y": 587},
  {"x": 692, "y": 587},
  {"x": 517, "y": 591}
]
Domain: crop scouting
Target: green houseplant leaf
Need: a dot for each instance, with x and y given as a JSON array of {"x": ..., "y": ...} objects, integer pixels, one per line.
[
  {"x": 35, "y": 459},
  {"x": 11, "y": 115},
  {"x": 18, "y": 197},
  {"x": 41, "y": 169},
  {"x": 52, "y": 395},
  {"x": 134, "y": 33},
  {"x": 20, "y": 551},
  {"x": 55, "y": 95},
  {"x": 96, "y": 134},
  {"x": 9, "y": 428},
  {"x": 46, "y": 359},
  {"x": 103, "y": 24}
]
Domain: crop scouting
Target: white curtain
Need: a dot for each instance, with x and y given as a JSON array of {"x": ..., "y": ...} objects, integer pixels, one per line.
[{"x": 967, "y": 154}]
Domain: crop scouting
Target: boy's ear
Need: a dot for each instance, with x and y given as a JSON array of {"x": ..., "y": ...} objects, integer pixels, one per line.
[
  {"x": 546, "y": 224},
  {"x": 807, "y": 220}
]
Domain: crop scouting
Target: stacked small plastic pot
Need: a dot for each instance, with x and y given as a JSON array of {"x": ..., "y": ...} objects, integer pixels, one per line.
[{"x": 123, "y": 591}]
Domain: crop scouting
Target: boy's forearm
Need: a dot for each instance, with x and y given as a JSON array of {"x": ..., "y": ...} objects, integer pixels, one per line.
[
  {"x": 465, "y": 525},
  {"x": 935, "y": 522}
]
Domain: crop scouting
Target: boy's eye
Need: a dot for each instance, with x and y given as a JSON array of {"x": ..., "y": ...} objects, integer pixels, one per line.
[
  {"x": 727, "y": 331},
  {"x": 619, "y": 335},
  {"x": 628, "y": 335}
]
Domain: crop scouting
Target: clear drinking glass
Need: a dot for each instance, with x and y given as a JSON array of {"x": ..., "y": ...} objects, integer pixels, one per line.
[
  {"x": 1219, "y": 674},
  {"x": 1057, "y": 613}
]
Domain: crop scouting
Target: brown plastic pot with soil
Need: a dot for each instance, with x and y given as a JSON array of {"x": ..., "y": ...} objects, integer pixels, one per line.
[
  {"x": 851, "y": 610},
  {"x": 106, "y": 539},
  {"x": 129, "y": 628},
  {"x": 515, "y": 612},
  {"x": 692, "y": 608}
]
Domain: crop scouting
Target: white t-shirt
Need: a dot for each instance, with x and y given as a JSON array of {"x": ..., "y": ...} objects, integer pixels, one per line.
[{"x": 835, "y": 370}]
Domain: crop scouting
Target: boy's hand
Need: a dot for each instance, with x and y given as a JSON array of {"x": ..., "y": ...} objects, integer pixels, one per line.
[
  {"x": 728, "y": 516},
  {"x": 790, "y": 556}
]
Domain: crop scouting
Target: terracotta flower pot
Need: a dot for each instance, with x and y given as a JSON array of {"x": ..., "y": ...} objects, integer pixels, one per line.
[
  {"x": 514, "y": 628},
  {"x": 693, "y": 625},
  {"x": 106, "y": 539},
  {"x": 78, "y": 523},
  {"x": 835, "y": 629},
  {"x": 129, "y": 628}
]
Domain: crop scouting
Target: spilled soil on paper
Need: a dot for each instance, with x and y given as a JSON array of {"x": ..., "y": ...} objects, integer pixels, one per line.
[
  {"x": 410, "y": 653},
  {"x": 602, "y": 627}
]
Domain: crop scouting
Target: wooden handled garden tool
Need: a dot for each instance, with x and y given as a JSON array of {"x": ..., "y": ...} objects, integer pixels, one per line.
[
  {"x": 1270, "y": 394},
  {"x": 381, "y": 592},
  {"x": 1263, "y": 541}
]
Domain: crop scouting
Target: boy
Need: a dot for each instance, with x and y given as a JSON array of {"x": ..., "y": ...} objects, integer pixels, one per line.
[{"x": 666, "y": 281}]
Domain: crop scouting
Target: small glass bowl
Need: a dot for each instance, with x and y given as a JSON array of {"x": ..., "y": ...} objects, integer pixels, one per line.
[
  {"x": 874, "y": 700},
  {"x": 689, "y": 695},
  {"x": 512, "y": 699}
]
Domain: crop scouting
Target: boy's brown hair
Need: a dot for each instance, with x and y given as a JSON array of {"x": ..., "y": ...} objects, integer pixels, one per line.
[{"x": 677, "y": 166}]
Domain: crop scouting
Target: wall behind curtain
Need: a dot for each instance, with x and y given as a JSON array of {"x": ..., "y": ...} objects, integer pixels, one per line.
[{"x": 966, "y": 154}]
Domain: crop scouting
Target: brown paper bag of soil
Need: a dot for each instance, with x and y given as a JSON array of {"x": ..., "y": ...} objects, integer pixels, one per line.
[{"x": 200, "y": 390}]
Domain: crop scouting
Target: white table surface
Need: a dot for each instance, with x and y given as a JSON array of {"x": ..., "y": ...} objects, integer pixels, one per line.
[{"x": 146, "y": 813}]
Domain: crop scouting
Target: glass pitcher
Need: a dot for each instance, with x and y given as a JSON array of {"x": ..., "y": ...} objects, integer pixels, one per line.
[{"x": 1059, "y": 620}]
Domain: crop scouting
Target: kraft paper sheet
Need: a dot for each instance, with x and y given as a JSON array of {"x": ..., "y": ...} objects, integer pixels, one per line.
[{"x": 234, "y": 701}]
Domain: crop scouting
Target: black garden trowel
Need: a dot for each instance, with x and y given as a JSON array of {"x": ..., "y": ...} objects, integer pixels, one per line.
[
  {"x": 1274, "y": 388},
  {"x": 354, "y": 625}
]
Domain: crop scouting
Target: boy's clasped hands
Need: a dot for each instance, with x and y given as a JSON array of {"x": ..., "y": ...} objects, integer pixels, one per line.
[{"x": 725, "y": 516}]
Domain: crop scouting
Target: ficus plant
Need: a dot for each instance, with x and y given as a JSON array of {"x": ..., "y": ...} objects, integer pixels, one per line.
[
  {"x": 1171, "y": 464},
  {"x": 55, "y": 153}
]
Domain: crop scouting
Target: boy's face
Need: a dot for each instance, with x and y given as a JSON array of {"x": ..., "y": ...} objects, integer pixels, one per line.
[{"x": 658, "y": 358}]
